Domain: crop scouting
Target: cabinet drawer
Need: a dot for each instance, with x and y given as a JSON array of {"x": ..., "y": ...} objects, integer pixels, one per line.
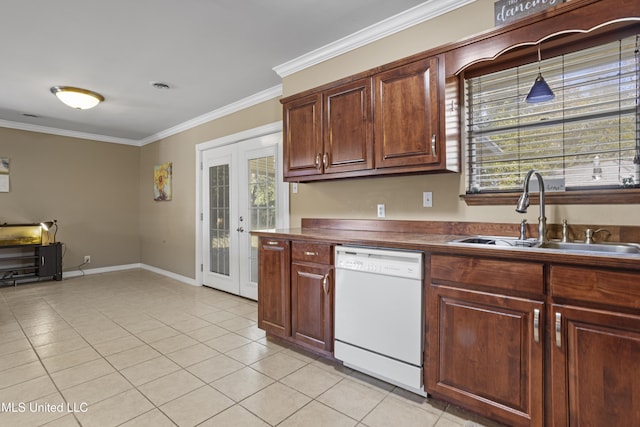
[
  {"x": 594, "y": 285},
  {"x": 486, "y": 272},
  {"x": 311, "y": 252}
]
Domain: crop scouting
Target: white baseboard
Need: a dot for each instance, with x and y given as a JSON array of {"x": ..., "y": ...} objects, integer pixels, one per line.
[{"x": 178, "y": 277}]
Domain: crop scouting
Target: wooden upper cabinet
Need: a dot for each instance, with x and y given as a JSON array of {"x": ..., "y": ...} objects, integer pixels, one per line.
[
  {"x": 391, "y": 120},
  {"x": 407, "y": 115},
  {"x": 348, "y": 144},
  {"x": 329, "y": 132},
  {"x": 303, "y": 145}
]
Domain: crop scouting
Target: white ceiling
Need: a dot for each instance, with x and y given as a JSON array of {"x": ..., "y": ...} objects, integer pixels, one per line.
[{"x": 213, "y": 53}]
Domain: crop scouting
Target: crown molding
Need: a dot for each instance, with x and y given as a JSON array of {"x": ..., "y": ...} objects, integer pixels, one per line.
[
  {"x": 247, "y": 102},
  {"x": 416, "y": 15},
  {"x": 67, "y": 133},
  {"x": 242, "y": 104}
]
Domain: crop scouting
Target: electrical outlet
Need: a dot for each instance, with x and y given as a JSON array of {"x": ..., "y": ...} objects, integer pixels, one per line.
[
  {"x": 427, "y": 199},
  {"x": 381, "y": 210},
  {"x": 87, "y": 259}
]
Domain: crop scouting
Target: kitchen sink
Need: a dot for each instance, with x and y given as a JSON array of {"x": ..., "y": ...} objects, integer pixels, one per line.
[
  {"x": 620, "y": 248},
  {"x": 603, "y": 247},
  {"x": 496, "y": 241}
]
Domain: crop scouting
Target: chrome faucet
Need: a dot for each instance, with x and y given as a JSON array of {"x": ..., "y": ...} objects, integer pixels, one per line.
[{"x": 523, "y": 204}]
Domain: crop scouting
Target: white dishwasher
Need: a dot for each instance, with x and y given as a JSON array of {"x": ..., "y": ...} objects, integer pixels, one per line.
[{"x": 379, "y": 317}]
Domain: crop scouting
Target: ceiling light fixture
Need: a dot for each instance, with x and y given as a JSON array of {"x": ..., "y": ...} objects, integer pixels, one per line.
[
  {"x": 540, "y": 91},
  {"x": 74, "y": 97}
]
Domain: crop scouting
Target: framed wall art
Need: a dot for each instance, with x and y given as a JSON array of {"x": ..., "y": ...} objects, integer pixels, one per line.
[
  {"x": 4, "y": 174},
  {"x": 162, "y": 182}
]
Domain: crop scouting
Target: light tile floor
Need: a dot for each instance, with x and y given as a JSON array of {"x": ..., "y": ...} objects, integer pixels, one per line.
[{"x": 134, "y": 348}]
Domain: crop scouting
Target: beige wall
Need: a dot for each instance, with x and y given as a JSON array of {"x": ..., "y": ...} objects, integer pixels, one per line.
[
  {"x": 403, "y": 195},
  {"x": 167, "y": 229},
  {"x": 85, "y": 185},
  {"x": 102, "y": 194}
]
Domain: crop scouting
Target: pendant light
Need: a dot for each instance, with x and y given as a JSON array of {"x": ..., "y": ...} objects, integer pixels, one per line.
[
  {"x": 74, "y": 97},
  {"x": 540, "y": 91}
]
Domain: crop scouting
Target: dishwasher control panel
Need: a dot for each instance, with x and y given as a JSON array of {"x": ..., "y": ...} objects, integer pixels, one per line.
[{"x": 380, "y": 261}]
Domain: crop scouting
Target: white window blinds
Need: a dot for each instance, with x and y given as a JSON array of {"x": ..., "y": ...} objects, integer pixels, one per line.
[{"x": 589, "y": 134}]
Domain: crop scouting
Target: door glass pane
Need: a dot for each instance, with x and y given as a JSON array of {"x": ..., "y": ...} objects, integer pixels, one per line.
[
  {"x": 219, "y": 219},
  {"x": 262, "y": 202}
]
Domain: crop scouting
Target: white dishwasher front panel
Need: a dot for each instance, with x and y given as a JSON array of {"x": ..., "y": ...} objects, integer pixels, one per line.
[{"x": 378, "y": 312}]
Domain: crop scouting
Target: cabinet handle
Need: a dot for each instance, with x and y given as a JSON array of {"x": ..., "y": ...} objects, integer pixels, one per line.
[
  {"x": 559, "y": 330},
  {"x": 272, "y": 243},
  {"x": 325, "y": 283},
  {"x": 433, "y": 144},
  {"x": 318, "y": 161},
  {"x": 325, "y": 160},
  {"x": 311, "y": 253},
  {"x": 536, "y": 325},
  {"x": 42, "y": 261}
]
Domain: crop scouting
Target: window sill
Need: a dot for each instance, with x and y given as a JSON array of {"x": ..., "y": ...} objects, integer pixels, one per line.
[{"x": 626, "y": 196}]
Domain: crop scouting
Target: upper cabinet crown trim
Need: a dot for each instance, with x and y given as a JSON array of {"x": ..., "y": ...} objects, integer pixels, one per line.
[
  {"x": 575, "y": 17},
  {"x": 416, "y": 15}
]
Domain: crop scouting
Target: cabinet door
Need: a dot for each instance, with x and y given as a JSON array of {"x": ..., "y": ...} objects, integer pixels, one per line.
[
  {"x": 406, "y": 115},
  {"x": 274, "y": 290},
  {"x": 486, "y": 353},
  {"x": 348, "y": 144},
  {"x": 595, "y": 379},
  {"x": 49, "y": 261},
  {"x": 303, "y": 149},
  {"x": 312, "y": 301}
]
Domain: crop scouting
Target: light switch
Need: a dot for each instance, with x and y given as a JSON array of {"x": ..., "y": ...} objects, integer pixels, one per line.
[{"x": 381, "y": 210}]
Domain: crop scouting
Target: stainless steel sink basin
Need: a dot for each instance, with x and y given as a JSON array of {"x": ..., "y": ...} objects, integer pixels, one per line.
[
  {"x": 620, "y": 248},
  {"x": 496, "y": 241}
]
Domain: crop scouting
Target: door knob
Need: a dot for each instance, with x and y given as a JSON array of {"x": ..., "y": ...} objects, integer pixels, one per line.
[{"x": 240, "y": 229}]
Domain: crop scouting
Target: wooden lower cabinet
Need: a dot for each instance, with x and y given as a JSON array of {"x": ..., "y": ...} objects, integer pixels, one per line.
[
  {"x": 485, "y": 347},
  {"x": 485, "y": 353},
  {"x": 595, "y": 378},
  {"x": 312, "y": 305},
  {"x": 595, "y": 347},
  {"x": 274, "y": 289},
  {"x": 312, "y": 295},
  {"x": 295, "y": 292}
]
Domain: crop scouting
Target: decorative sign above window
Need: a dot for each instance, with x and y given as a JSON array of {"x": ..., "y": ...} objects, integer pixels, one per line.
[{"x": 507, "y": 11}]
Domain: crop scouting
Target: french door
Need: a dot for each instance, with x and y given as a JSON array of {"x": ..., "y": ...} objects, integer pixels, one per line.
[{"x": 242, "y": 190}]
